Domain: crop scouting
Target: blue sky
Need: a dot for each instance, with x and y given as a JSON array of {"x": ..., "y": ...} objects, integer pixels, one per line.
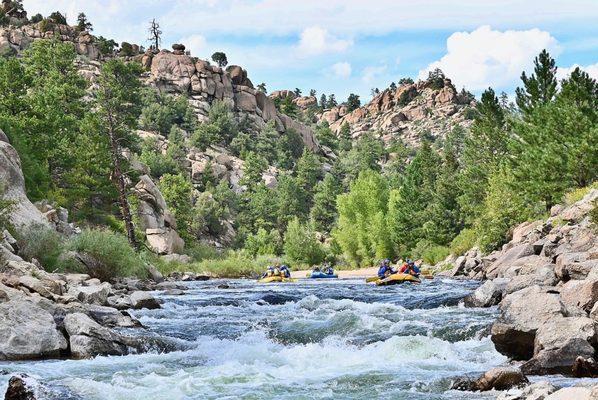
[{"x": 344, "y": 46}]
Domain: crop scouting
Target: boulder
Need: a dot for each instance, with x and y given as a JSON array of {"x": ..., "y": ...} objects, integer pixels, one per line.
[
  {"x": 155, "y": 274},
  {"x": 576, "y": 212},
  {"x": 487, "y": 295},
  {"x": 120, "y": 302},
  {"x": 28, "y": 331},
  {"x": 111, "y": 317},
  {"x": 238, "y": 76},
  {"x": 585, "y": 367},
  {"x": 23, "y": 212},
  {"x": 501, "y": 378},
  {"x": 141, "y": 300},
  {"x": 21, "y": 387},
  {"x": 543, "y": 276},
  {"x": 582, "y": 294},
  {"x": 559, "y": 342},
  {"x": 507, "y": 259},
  {"x": 574, "y": 393},
  {"x": 521, "y": 315},
  {"x": 92, "y": 294},
  {"x": 88, "y": 339},
  {"x": 535, "y": 391}
]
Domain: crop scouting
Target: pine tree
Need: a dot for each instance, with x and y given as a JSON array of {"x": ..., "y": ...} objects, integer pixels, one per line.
[
  {"x": 331, "y": 101},
  {"x": 118, "y": 105},
  {"x": 541, "y": 87},
  {"x": 155, "y": 35},
  {"x": 484, "y": 149},
  {"x": 353, "y": 102},
  {"x": 323, "y": 212},
  {"x": 309, "y": 172},
  {"x": 83, "y": 24},
  {"x": 323, "y": 101}
]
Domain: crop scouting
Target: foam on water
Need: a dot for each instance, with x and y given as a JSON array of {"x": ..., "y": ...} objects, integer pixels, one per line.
[{"x": 316, "y": 346}]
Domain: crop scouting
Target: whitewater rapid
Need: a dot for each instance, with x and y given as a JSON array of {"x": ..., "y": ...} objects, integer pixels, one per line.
[{"x": 308, "y": 340}]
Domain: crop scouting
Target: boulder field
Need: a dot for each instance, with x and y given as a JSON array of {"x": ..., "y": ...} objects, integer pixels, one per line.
[{"x": 545, "y": 283}]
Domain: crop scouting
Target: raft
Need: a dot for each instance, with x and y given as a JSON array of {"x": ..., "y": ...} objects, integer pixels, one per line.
[
  {"x": 394, "y": 279},
  {"x": 321, "y": 275},
  {"x": 275, "y": 279}
]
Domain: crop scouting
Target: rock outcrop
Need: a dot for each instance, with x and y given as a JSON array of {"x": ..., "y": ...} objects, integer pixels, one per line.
[
  {"x": 411, "y": 112},
  {"x": 155, "y": 219},
  {"x": 12, "y": 183},
  {"x": 205, "y": 83}
]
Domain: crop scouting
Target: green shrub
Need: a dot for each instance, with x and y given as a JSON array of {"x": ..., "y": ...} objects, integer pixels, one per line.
[
  {"x": 465, "y": 240},
  {"x": 263, "y": 242},
  {"x": 42, "y": 243},
  {"x": 112, "y": 251},
  {"x": 201, "y": 251},
  {"x": 36, "y": 18},
  {"x": 431, "y": 253},
  {"x": 301, "y": 245}
]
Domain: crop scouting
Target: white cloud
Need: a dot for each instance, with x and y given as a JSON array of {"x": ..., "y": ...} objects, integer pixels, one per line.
[
  {"x": 371, "y": 73},
  {"x": 341, "y": 70},
  {"x": 196, "y": 44},
  {"x": 486, "y": 57},
  {"x": 564, "y": 72},
  {"x": 315, "y": 40}
]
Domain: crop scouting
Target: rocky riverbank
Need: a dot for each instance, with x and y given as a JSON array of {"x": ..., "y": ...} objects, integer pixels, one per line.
[
  {"x": 545, "y": 282},
  {"x": 53, "y": 315}
]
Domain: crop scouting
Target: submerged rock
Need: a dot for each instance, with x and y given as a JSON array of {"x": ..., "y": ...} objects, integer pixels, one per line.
[{"x": 21, "y": 387}]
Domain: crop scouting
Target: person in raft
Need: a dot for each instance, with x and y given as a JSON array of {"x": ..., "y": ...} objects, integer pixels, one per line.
[
  {"x": 285, "y": 272},
  {"x": 385, "y": 269},
  {"x": 269, "y": 272},
  {"x": 328, "y": 270},
  {"x": 410, "y": 268}
]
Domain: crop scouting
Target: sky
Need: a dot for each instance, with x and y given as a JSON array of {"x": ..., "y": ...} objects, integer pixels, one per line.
[{"x": 352, "y": 46}]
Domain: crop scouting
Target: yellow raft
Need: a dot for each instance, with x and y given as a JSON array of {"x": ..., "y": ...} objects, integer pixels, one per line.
[
  {"x": 275, "y": 279},
  {"x": 394, "y": 279}
]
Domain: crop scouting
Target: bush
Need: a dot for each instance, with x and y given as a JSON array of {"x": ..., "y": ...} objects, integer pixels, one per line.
[
  {"x": 465, "y": 240},
  {"x": 263, "y": 242},
  {"x": 112, "y": 251},
  {"x": 42, "y": 243},
  {"x": 57, "y": 18},
  {"x": 301, "y": 245},
  {"x": 36, "y": 18},
  {"x": 431, "y": 253}
]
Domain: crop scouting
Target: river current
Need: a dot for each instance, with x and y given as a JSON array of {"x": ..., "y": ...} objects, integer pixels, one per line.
[{"x": 331, "y": 339}]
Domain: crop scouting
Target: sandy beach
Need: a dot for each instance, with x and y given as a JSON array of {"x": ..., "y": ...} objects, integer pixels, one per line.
[{"x": 354, "y": 273}]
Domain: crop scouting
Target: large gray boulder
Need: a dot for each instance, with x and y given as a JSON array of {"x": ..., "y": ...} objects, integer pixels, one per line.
[
  {"x": 91, "y": 294},
  {"x": 575, "y": 393},
  {"x": 140, "y": 299},
  {"x": 559, "y": 342},
  {"x": 111, "y": 317},
  {"x": 535, "y": 391},
  {"x": 489, "y": 294},
  {"x": 508, "y": 259},
  {"x": 88, "y": 339},
  {"x": 582, "y": 294},
  {"x": 28, "y": 331},
  {"x": 521, "y": 315},
  {"x": 23, "y": 213}
]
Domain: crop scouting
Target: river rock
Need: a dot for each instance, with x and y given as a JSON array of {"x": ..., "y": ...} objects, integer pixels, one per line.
[
  {"x": 574, "y": 393},
  {"x": 583, "y": 294},
  {"x": 521, "y": 314},
  {"x": 489, "y": 294},
  {"x": 21, "y": 387},
  {"x": 501, "y": 378},
  {"x": 585, "y": 367},
  {"x": 508, "y": 258},
  {"x": 92, "y": 294},
  {"x": 141, "y": 300},
  {"x": 276, "y": 299},
  {"x": 111, "y": 317},
  {"x": 28, "y": 331},
  {"x": 559, "y": 342},
  {"x": 535, "y": 391},
  {"x": 120, "y": 302},
  {"x": 88, "y": 339}
]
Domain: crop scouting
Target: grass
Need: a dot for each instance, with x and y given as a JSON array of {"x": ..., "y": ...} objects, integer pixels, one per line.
[
  {"x": 465, "y": 240},
  {"x": 575, "y": 195}
]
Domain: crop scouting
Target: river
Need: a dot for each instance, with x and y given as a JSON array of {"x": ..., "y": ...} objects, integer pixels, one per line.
[{"x": 335, "y": 339}]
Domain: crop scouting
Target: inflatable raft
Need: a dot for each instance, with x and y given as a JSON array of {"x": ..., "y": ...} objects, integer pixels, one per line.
[
  {"x": 395, "y": 279},
  {"x": 275, "y": 279},
  {"x": 321, "y": 275}
]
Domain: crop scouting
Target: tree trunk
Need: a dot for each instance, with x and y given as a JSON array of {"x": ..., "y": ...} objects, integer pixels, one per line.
[{"x": 119, "y": 181}]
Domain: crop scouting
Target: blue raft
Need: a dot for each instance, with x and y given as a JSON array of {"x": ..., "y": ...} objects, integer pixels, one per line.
[{"x": 321, "y": 275}]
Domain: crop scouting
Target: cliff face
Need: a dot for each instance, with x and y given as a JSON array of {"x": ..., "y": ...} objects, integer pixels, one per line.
[{"x": 411, "y": 112}]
